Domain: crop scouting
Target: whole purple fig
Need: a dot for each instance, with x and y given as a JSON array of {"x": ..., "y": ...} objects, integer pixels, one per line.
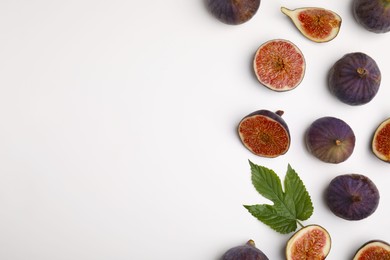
[
  {"x": 374, "y": 15},
  {"x": 233, "y": 11},
  {"x": 330, "y": 139},
  {"x": 355, "y": 78},
  {"x": 249, "y": 251},
  {"x": 352, "y": 196}
]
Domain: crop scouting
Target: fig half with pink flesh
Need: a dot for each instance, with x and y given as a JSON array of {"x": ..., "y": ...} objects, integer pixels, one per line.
[
  {"x": 316, "y": 24},
  {"x": 310, "y": 242},
  {"x": 279, "y": 65},
  {"x": 265, "y": 133},
  {"x": 381, "y": 141},
  {"x": 373, "y": 250}
]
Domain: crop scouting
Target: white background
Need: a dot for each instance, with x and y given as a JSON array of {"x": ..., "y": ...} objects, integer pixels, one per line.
[{"x": 118, "y": 129}]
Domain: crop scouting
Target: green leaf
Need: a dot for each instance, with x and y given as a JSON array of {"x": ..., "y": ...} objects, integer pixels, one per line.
[{"x": 288, "y": 207}]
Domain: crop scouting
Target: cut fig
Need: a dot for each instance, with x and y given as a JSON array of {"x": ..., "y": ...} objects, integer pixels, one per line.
[
  {"x": 316, "y": 24},
  {"x": 249, "y": 251},
  {"x": 233, "y": 12},
  {"x": 373, "y": 15},
  {"x": 279, "y": 65},
  {"x": 330, "y": 139},
  {"x": 355, "y": 78},
  {"x": 352, "y": 196},
  {"x": 311, "y": 242},
  {"x": 265, "y": 133},
  {"x": 381, "y": 141},
  {"x": 373, "y": 250}
]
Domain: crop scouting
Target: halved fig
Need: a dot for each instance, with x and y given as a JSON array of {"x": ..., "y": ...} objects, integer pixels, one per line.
[
  {"x": 354, "y": 79},
  {"x": 249, "y": 251},
  {"x": 265, "y": 133},
  {"x": 352, "y": 196},
  {"x": 373, "y": 250},
  {"x": 311, "y": 242},
  {"x": 316, "y": 24},
  {"x": 233, "y": 12},
  {"x": 381, "y": 141},
  {"x": 279, "y": 65},
  {"x": 330, "y": 139}
]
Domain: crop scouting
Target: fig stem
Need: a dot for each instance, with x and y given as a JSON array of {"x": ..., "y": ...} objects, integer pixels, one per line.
[
  {"x": 361, "y": 71},
  {"x": 279, "y": 112}
]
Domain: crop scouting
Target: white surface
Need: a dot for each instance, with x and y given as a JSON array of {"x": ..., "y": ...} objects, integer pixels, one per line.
[{"x": 118, "y": 129}]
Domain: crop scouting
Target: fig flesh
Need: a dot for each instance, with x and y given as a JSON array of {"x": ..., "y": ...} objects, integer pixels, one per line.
[
  {"x": 373, "y": 15},
  {"x": 352, "y": 196},
  {"x": 330, "y": 139},
  {"x": 316, "y": 24},
  {"x": 373, "y": 250},
  {"x": 355, "y": 78},
  {"x": 381, "y": 141},
  {"x": 279, "y": 65},
  {"x": 249, "y": 251},
  {"x": 233, "y": 12},
  {"x": 311, "y": 242},
  {"x": 265, "y": 133}
]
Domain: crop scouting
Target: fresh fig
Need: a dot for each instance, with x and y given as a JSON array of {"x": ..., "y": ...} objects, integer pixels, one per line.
[
  {"x": 233, "y": 12},
  {"x": 311, "y": 242},
  {"x": 265, "y": 133},
  {"x": 352, "y": 196},
  {"x": 355, "y": 78},
  {"x": 373, "y": 250},
  {"x": 381, "y": 141},
  {"x": 330, "y": 139},
  {"x": 316, "y": 24},
  {"x": 249, "y": 251},
  {"x": 279, "y": 65},
  {"x": 374, "y": 15}
]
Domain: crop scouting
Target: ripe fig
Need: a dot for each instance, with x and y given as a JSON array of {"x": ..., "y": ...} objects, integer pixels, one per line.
[
  {"x": 316, "y": 24},
  {"x": 330, "y": 139},
  {"x": 381, "y": 141},
  {"x": 279, "y": 65},
  {"x": 373, "y": 250},
  {"x": 352, "y": 196},
  {"x": 311, "y": 242},
  {"x": 265, "y": 133},
  {"x": 233, "y": 12},
  {"x": 355, "y": 78},
  {"x": 373, "y": 15},
  {"x": 249, "y": 251}
]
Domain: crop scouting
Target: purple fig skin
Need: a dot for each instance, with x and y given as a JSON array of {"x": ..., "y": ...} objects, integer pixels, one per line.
[
  {"x": 355, "y": 79},
  {"x": 330, "y": 139},
  {"x": 233, "y": 12},
  {"x": 373, "y": 15},
  {"x": 245, "y": 252},
  {"x": 352, "y": 196}
]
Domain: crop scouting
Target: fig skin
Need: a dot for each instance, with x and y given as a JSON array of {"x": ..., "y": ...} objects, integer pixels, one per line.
[
  {"x": 233, "y": 12},
  {"x": 249, "y": 251},
  {"x": 310, "y": 242},
  {"x": 265, "y": 133},
  {"x": 373, "y": 15},
  {"x": 279, "y": 65},
  {"x": 354, "y": 79},
  {"x": 373, "y": 250},
  {"x": 330, "y": 139},
  {"x": 381, "y": 141},
  {"x": 316, "y": 24},
  {"x": 352, "y": 196}
]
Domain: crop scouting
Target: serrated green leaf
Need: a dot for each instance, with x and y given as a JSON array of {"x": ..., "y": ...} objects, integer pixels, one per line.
[
  {"x": 295, "y": 189},
  {"x": 273, "y": 218},
  {"x": 288, "y": 207}
]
